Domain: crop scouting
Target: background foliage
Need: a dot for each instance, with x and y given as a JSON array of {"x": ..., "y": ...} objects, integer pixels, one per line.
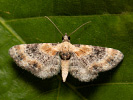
[{"x": 23, "y": 21}]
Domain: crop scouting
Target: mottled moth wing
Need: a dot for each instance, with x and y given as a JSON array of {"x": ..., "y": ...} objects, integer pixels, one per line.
[
  {"x": 41, "y": 59},
  {"x": 87, "y": 61}
]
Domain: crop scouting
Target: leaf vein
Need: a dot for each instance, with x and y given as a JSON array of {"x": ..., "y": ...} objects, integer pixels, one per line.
[{"x": 2, "y": 21}]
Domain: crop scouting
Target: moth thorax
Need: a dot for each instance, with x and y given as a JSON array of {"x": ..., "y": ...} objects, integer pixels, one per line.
[{"x": 65, "y": 55}]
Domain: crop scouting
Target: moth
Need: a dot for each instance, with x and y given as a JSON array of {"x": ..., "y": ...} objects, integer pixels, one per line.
[{"x": 84, "y": 62}]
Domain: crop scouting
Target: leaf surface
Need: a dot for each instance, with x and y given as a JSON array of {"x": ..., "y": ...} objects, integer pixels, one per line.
[{"x": 24, "y": 22}]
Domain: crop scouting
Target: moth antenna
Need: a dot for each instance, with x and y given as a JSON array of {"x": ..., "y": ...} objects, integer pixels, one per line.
[
  {"x": 54, "y": 25},
  {"x": 79, "y": 27}
]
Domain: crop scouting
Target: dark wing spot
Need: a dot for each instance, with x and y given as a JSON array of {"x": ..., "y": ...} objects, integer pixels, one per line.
[
  {"x": 99, "y": 52},
  {"x": 77, "y": 45},
  {"x": 97, "y": 68},
  {"x": 84, "y": 61},
  {"x": 54, "y": 44},
  {"x": 35, "y": 65},
  {"x": 52, "y": 70},
  {"x": 20, "y": 56},
  {"x": 31, "y": 48}
]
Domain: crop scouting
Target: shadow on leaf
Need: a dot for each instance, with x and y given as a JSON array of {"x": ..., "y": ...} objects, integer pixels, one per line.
[{"x": 41, "y": 85}]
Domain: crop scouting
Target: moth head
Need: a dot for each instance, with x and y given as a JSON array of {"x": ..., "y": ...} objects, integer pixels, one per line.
[{"x": 66, "y": 38}]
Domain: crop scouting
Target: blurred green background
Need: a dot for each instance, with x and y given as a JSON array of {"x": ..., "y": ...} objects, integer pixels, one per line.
[{"x": 23, "y": 21}]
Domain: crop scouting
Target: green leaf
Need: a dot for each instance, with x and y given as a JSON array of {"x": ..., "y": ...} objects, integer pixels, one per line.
[
  {"x": 23, "y": 21},
  {"x": 12, "y": 9},
  {"x": 113, "y": 31}
]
